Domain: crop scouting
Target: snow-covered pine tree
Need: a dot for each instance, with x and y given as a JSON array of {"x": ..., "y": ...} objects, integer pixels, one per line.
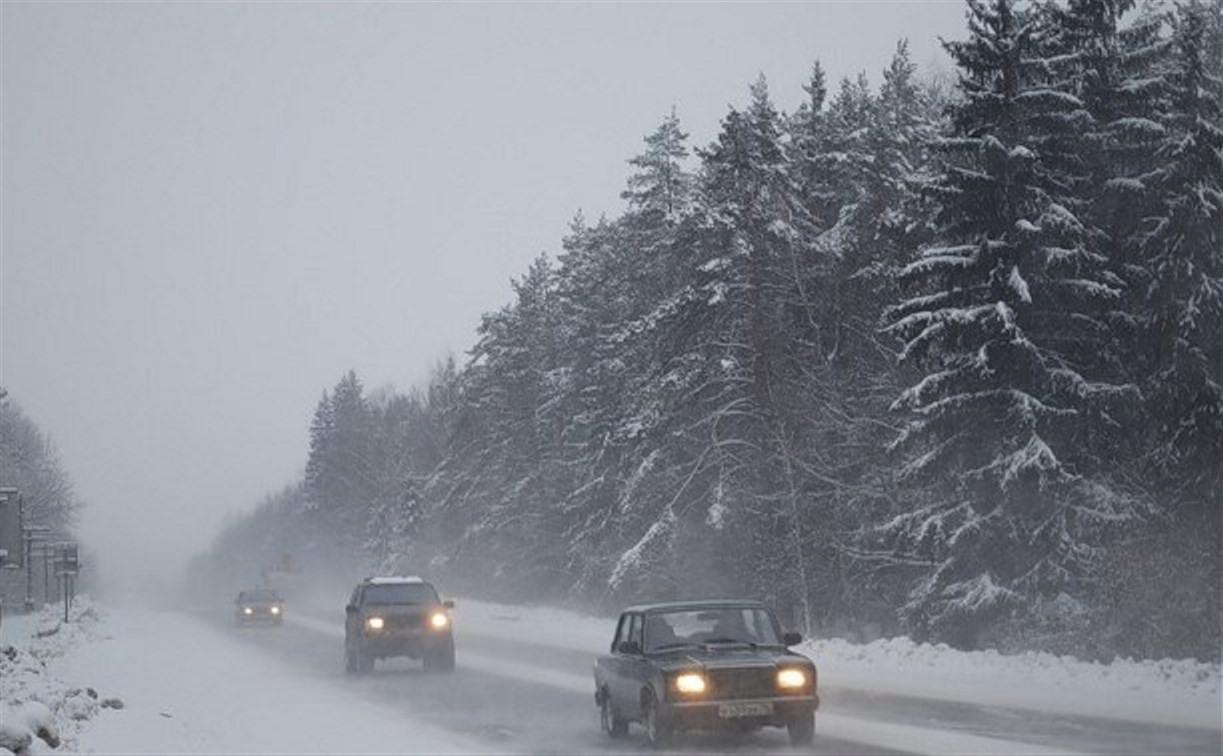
[
  {"x": 809, "y": 136},
  {"x": 1004, "y": 515},
  {"x": 1183, "y": 251},
  {"x": 731, "y": 372},
  {"x": 498, "y": 496},
  {"x": 1114, "y": 68}
]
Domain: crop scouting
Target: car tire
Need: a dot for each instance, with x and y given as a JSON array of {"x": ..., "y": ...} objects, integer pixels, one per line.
[
  {"x": 442, "y": 659},
  {"x": 657, "y": 728},
  {"x": 612, "y": 724},
  {"x": 802, "y": 730}
]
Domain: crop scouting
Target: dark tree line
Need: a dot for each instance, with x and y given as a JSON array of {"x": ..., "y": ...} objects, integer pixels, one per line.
[{"x": 941, "y": 360}]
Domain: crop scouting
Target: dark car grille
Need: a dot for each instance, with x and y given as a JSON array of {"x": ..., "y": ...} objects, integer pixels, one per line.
[
  {"x": 402, "y": 622},
  {"x": 754, "y": 682}
]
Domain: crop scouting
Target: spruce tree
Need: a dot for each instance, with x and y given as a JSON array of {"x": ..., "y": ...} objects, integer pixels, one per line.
[{"x": 996, "y": 307}]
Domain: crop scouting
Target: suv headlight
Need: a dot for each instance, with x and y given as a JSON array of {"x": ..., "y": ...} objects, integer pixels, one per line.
[
  {"x": 374, "y": 623},
  {"x": 439, "y": 621},
  {"x": 791, "y": 679},
  {"x": 691, "y": 683},
  {"x": 276, "y": 610},
  {"x": 247, "y": 610}
]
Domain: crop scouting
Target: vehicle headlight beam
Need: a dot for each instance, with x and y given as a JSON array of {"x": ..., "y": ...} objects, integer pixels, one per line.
[{"x": 691, "y": 683}]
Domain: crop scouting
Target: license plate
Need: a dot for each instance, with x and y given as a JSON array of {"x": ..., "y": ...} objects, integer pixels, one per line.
[{"x": 732, "y": 710}]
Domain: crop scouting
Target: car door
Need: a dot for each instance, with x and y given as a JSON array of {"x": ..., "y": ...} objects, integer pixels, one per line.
[
  {"x": 624, "y": 686},
  {"x": 352, "y": 615},
  {"x": 613, "y": 663},
  {"x": 633, "y": 668}
]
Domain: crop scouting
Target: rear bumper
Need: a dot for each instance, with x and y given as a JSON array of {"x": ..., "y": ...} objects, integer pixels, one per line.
[{"x": 707, "y": 715}]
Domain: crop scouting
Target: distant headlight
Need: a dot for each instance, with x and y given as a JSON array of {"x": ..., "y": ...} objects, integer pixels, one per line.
[
  {"x": 691, "y": 683},
  {"x": 439, "y": 620},
  {"x": 374, "y": 623},
  {"x": 791, "y": 678},
  {"x": 276, "y": 610},
  {"x": 247, "y": 610}
]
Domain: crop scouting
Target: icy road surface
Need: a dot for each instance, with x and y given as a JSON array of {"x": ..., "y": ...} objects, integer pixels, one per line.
[
  {"x": 524, "y": 685},
  {"x": 193, "y": 683}
]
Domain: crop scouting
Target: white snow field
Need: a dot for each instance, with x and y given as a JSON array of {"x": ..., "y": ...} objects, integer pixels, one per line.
[{"x": 193, "y": 684}]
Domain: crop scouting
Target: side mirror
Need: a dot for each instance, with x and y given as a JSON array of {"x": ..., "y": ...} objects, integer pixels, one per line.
[
  {"x": 791, "y": 639},
  {"x": 351, "y": 609},
  {"x": 448, "y": 604},
  {"x": 630, "y": 647}
]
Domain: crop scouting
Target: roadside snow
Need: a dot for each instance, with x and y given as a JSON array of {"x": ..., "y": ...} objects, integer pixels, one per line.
[
  {"x": 38, "y": 711},
  {"x": 1185, "y": 693},
  {"x": 187, "y": 687}
]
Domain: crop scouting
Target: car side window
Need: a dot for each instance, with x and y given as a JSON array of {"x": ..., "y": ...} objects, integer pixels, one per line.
[
  {"x": 621, "y": 632},
  {"x": 634, "y": 633}
]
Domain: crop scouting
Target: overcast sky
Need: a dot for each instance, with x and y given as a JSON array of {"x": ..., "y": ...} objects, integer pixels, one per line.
[{"x": 210, "y": 211}]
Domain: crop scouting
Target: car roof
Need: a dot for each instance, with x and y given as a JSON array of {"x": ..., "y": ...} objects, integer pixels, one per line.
[
  {"x": 392, "y": 580},
  {"x": 671, "y": 606}
]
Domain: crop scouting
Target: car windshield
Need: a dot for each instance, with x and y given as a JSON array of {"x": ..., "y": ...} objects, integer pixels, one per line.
[
  {"x": 400, "y": 593},
  {"x": 736, "y": 624},
  {"x": 260, "y": 597}
]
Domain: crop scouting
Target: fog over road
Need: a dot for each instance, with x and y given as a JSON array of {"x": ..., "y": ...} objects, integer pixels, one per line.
[{"x": 537, "y": 697}]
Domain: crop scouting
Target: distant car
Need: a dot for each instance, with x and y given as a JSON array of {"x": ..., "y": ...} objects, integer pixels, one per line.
[
  {"x": 397, "y": 616},
  {"x": 705, "y": 665},
  {"x": 259, "y": 606}
]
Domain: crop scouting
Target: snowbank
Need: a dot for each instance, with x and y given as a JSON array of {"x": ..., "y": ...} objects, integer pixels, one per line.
[
  {"x": 38, "y": 710},
  {"x": 1169, "y": 692}
]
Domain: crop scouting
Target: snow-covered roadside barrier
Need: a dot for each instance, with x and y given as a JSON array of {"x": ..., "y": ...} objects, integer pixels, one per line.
[{"x": 39, "y": 712}]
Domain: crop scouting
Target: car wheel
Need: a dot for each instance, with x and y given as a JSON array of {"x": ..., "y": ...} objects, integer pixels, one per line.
[
  {"x": 802, "y": 730},
  {"x": 613, "y": 725},
  {"x": 442, "y": 659},
  {"x": 657, "y": 728}
]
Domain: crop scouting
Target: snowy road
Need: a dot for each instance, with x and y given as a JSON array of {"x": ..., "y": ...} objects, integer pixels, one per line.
[{"x": 524, "y": 696}]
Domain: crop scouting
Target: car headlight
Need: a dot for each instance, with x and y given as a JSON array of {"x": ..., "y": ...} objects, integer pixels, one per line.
[
  {"x": 374, "y": 623},
  {"x": 691, "y": 683},
  {"x": 791, "y": 679},
  {"x": 276, "y": 610},
  {"x": 247, "y": 610},
  {"x": 439, "y": 621}
]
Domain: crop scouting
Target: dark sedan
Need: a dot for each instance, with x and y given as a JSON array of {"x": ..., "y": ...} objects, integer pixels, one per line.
[
  {"x": 258, "y": 606},
  {"x": 712, "y": 665}
]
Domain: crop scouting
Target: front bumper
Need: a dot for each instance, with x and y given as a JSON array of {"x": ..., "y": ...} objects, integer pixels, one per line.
[
  {"x": 403, "y": 642},
  {"x": 258, "y": 618},
  {"x": 775, "y": 711}
]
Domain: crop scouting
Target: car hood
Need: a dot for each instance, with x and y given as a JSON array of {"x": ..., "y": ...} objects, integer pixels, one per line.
[{"x": 736, "y": 658}]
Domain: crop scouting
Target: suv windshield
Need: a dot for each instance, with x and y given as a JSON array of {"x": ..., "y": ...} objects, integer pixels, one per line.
[
  {"x": 260, "y": 597},
  {"x": 400, "y": 593},
  {"x": 736, "y": 624}
]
